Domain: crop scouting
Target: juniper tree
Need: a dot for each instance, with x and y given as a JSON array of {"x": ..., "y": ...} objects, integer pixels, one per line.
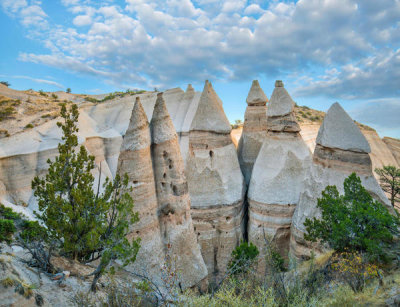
[
  {"x": 389, "y": 178},
  {"x": 85, "y": 224}
]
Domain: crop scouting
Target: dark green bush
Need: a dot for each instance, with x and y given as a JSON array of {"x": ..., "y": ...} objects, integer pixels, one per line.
[
  {"x": 8, "y": 213},
  {"x": 353, "y": 221},
  {"x": 7, "y": 229},
  {"x": 243, "y": 256},
  {"x": 31, "y": 231}
]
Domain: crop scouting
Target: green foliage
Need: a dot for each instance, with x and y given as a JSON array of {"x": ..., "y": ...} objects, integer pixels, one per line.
[
  {"x": 5, "y": 83},
  {"x": 68, "y": 90},
  {"x": 389, "y": 177},
  {"x": 29, "y": 126},
  {"x": 8, "y": 213},
  {"x": 32, "y": 231},
  {"x": 54, "y": 96},
  {"x": 42, "y": 93},
  {"x": 86, "y": 225},
  {"x": 7, "y": 229},
  {"x": 91, "y": 99},
  {"x": 277, "y": 260},
  {"x": 7, "y": 108},
  {"x": 353, "y": 221},
  {"x": 243, "y": 256}
]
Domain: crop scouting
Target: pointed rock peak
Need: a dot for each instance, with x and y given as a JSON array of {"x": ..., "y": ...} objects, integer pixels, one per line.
[
  {"x": 138, "y": 117},
  {"x": 338, "y": 130},
  {"x": 280, "y": 103},
  {"x": 161, "y": 126},
  {"x": 210, "y": 115},
  {"x": 256, "y": 95},
  {"x": 189, "y": 89}
]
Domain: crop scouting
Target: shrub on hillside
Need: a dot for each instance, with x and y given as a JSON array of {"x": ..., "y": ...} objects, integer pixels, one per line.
[
  {"x": 243, "y": 256},
  {"x": 353, "y": 221}
]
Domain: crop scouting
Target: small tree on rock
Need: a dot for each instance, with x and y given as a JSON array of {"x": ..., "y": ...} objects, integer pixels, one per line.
[
  {"x": 389, "y": 177},
  {"x": 85, "y": 224},
  {"x": 353, "y": 221}
]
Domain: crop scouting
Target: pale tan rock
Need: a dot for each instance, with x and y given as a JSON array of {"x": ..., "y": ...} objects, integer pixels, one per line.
[
  {"x": 331, "y": 166},
  {"x": 173, "y": 199},
  {"x": 394, "y": 147},
  {"x": 216, "y": 186},
  {"x": 135, "y": 161},
  {"x": 277, "y": 178},
  {"x": 254, "y": 129}
]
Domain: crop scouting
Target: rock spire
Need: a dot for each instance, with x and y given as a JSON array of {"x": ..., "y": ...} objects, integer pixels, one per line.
[
  {"x": 173, "y": 199},
  {"x": 216, "y": 184},
  {"x": 254, "y": 129},
  {"x": 135, "y": 161},
  {"x": 340, "y": 150},
  {"x": 277, "y": 177}
]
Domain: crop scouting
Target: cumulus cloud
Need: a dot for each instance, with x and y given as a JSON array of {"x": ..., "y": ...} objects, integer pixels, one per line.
[{"x": 165, "y": 42}]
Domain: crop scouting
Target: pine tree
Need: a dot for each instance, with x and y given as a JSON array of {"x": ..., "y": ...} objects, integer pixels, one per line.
[
  {"x": 85, "y": 224},
  {"x": 389, "y": 177}
]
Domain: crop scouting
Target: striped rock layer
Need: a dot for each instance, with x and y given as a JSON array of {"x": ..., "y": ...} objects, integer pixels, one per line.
[
  {"x": 341, "y": 149},
  {"x": 277, "y": 178},
  {"x": 135, "y": 161},
  {"x": 216, "y": 184},
  {"x": 176, "y": 225},
  {"x": 254, "y": 129}
]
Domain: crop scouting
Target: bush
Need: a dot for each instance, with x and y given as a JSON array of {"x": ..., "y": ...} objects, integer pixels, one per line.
[
  {"x": 243, "y": 256},
  {"x": 5, "y": 83},
  {"x": 353, "y": 221},
  {"x": 8, "y": 213},
  {"x": 32, "y": 231},
  {"x": 7, "y": 229},
  {"x": 54, "y": 96},
  {"x": 29, "y": 126},
  {"x": 42, "y": 93},
  {"x": 68, "y": 90}
]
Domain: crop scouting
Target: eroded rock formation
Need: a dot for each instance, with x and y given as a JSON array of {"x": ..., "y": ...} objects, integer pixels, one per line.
[
  {"x": 135, "y": 160},
  {"x": 173, "y": 199},
  {"x": 341, "y": 149},
  {"x": 216, "y": 184},
  {"x": 278, "y": 176},
  {"x": 254, "y": 129}
]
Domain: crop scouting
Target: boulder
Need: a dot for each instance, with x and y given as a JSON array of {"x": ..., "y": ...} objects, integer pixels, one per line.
[
  {"x": 216, "y": 184},
  {"x": 135, "y": 161},
  {"x": 331, "y": 166},
  {"x": 277, "y": 178},
  {"x": 254, "y": 129},
  {"x": 176, "y": 227}
]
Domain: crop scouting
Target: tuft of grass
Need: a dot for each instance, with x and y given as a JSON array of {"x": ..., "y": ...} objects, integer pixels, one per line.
[
  {"x": 29, "y": 126},
  {"x": 8, "y": 282}
]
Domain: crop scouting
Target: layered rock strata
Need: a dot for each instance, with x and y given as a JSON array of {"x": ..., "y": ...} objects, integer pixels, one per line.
[
  {"x": 135, "y": 161},
  {"x": 254, "y": 129},
  {"x": 278, "y": 176},
  {"x": 216, "y": 184},
  {"x": 173, "y": 199},
  {"x": 340, "y": 149}
]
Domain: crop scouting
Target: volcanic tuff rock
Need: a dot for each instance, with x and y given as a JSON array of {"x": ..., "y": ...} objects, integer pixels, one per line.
[
  {"x": 135, "y": 161},
  {"x": 278, "y": 176},
  {"x": 254, "y": 129},
  {"x": 331, "y": 165},
  {"x": 394, "y": 146},
  {"x": 173, "y": 199},
  {"x": 216, "y": 184}
]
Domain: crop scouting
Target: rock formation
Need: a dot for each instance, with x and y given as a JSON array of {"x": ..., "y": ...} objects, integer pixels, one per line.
[
  {"x": 341, "y": 149},
  {"x": 135, "y": 161},
  {"x": 254, "y": 129},
  {"x": 173, "y": 199},
  {"x": 216, "y": 184},
  {"x": 394, "y": 147},
  {"x": 278, "y": 176}
]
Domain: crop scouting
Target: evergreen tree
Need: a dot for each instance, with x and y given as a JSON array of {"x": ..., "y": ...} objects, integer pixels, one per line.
[
  {"x": 353, "y": 221},
  {"x": 85, "y": 224},
  {"x": 389, "y": 177}
]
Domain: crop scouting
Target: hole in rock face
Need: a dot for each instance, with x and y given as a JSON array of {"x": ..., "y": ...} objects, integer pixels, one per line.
[
  {"x": 163, "y": 184},
  {"x": 170, "y": 163},
  {"x": 137, "y": 232},
  {"x": 165, "y": 154},
  {"x": 164, "y": 175},
  {"x": 228, "y": 218},
  {"x": 135, "y": 182},
  {"x": 211, "y": 153}
]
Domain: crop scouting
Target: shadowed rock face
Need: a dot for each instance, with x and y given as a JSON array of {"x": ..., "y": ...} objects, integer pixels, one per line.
[
  {"x": 333, "y": 161},
  {"x": 215, "y": 184},
  {"x": 173, "y": 199},
  {"x": 135, "y": 161},
  {"x": 254, "y": 129},
  {"x": 277, "y": 177}
]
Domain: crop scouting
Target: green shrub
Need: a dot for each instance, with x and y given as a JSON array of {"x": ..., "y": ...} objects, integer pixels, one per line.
[
  {"x": 68, "y": 90},
  {"x": 7, "y": 229},
  {"x": 31, "y": 231},
  {"x": 29, "y": 126},
  {"x": 91, "y": 99},
  {"x": 54, "y": 96},
  {"x": 5, "y": 83},
  {"x": 8, "y": 213},
  {"x": 353, "y": 221},
  {"x": 243, "y": 256},
  {"x": 42, "y": 93}
]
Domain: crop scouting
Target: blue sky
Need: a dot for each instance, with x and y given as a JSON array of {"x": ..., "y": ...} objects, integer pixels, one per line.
[{"x": 323, "y": 50}]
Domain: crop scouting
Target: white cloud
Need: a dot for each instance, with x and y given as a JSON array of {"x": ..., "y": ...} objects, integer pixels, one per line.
[
  {"x": 253, "y": 9},
  {"x": 82, "y": 20},
  {"x": 37, "y": 80}
]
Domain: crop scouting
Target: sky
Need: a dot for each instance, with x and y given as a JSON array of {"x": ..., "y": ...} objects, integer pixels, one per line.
[{"x": 323, "y": 50}]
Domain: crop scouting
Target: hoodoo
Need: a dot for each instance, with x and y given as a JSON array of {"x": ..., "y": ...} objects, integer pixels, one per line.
[
  {"x": 254, "y": 129},
  {"x": 278, "y": 176},
  {"x": 216, "y": 184},
  {"x": 135, "y": 161},
  {"x": 173, "y": 199},
  {"x": 340, "y": 150}
]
